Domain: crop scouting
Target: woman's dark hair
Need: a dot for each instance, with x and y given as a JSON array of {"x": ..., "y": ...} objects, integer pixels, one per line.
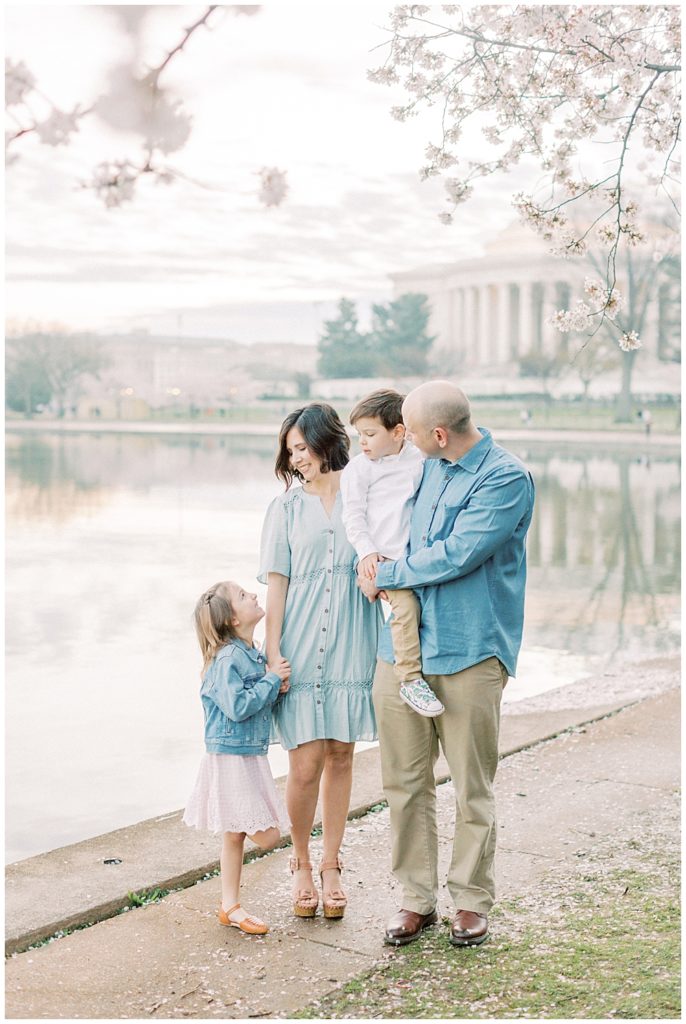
[{"x": 324, "y": 435}]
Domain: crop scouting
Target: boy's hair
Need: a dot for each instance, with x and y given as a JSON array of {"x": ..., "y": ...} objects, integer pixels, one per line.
[
  {"x": 212, "y": 617},
  {"x": 385, "y": 405},
  {"x": 324, "y": 435}
]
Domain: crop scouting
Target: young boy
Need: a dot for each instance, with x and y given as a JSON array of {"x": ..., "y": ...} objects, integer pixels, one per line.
[{"x": 378, "y": 488}]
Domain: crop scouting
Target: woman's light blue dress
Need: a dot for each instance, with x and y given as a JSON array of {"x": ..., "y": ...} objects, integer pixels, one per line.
[{"x": 330, "y": 630}]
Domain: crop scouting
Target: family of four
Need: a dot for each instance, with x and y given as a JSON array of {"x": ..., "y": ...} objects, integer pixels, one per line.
[{"x": 431, "y": 516}]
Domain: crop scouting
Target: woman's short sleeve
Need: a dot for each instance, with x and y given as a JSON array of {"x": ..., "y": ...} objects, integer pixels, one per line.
[{"x": 275, "y": 549}]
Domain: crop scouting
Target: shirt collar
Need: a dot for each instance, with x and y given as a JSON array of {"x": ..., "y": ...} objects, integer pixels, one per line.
[{"x": 475, "y": 456}]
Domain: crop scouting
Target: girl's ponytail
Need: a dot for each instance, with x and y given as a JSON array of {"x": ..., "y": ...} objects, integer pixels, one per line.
[{"x": 212, "y": 616}]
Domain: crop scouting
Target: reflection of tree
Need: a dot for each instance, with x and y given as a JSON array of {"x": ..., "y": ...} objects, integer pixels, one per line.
[
  {"x": 41, "y": 484},
  {"x": 600, "y": 572},
  {"x": 625, "y": 551}
]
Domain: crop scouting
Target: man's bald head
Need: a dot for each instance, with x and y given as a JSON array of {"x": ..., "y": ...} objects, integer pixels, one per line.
[{"x": 439, "y": 403}]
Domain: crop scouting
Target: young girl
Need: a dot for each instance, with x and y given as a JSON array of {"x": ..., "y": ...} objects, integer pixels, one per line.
[{"x": 234, "y": 792}]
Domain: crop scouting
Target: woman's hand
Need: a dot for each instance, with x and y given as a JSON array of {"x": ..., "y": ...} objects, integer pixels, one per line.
[{"x": 369, "y": 589}]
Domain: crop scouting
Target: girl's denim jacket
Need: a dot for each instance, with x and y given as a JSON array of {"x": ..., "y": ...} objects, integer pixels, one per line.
[{"x": 237, "y": 694}]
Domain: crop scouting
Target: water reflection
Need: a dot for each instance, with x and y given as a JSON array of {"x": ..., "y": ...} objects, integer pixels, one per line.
[
  {"x": 604, "y": 552},
  {"x": 111, "y": 537}
]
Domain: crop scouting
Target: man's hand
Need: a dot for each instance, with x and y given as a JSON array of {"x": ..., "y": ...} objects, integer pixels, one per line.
[
  {"x": 369, "y": 589},
  {"x": 367, "y": 566}
]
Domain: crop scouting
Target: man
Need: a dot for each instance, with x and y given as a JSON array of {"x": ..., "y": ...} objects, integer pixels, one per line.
[{"x": 467, "y": 564}]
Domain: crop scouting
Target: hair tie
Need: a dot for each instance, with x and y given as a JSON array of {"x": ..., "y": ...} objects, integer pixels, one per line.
[{"x": 208, "y": 598}]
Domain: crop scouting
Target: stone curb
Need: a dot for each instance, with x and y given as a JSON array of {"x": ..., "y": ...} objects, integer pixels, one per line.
[{"x": 65, "y": 888}]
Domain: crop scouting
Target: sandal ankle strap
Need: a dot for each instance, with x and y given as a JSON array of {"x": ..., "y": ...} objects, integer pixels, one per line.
[
  {"x": 331, "y": 865},
  {"x": 236, "y": 906},
  {"x": 295, "y": 864}
]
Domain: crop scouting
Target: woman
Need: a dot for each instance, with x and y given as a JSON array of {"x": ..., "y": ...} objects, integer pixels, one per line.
[{"x": 318, "y": 620}]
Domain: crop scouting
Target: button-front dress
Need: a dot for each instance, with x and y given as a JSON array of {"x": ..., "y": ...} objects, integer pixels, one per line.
[{"x": 330, "y": 630}]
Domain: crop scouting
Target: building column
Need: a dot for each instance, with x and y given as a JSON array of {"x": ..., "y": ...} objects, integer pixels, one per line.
[
  {"x": 470, "y": 325},
  {"x": 503, "y": 329},
  {"x": 526, "y": 321},
  {"x": 549, "y": 334},
  {"x": 458, "y": 333},
  {"x": 485, "y": 325}
]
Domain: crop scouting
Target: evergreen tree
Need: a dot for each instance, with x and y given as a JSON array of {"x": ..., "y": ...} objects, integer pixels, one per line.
[
  {"x": 343, "y": 350},
  {"x": 399, "y": 336}
]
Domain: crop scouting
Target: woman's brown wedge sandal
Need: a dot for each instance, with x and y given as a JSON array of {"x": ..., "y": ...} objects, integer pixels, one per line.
[
  {"x": 305, "y": 901},
  {"x": 335, "y": 901}
]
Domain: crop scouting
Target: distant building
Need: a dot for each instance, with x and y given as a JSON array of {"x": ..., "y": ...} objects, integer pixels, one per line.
[
  {"x": 489, "y": 311},
  {"x": 157, "y": 372}
]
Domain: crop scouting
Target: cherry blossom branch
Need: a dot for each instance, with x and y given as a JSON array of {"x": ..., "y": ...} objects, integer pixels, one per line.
[{"x": 155, "y": 74}]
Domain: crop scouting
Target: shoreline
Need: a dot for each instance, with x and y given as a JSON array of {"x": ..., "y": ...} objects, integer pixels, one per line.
[{"x": 636, "y": 438}]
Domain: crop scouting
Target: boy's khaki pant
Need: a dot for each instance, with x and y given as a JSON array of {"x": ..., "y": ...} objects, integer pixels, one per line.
[
  {"x": 468, "y": 734},
  {"x": 405, "y": 634}
]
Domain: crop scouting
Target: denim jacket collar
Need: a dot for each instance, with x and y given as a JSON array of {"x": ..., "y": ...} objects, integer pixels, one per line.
[
  {"x": 253, "y": 652},
  {"x": 472, "y": 459}
]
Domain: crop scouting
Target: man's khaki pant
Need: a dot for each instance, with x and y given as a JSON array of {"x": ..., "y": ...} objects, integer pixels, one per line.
[
  {"x": 468, "y": 734},
  {"x": 405, "y": 634}
]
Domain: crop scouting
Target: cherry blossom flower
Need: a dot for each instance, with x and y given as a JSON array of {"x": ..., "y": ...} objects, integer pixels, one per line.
[
  {"x": 58, "y": 128},
  {"x": 114, "y": 182},
  {"x": 273, "y": 186},
  {"x": 18, "y": 82},
  {"x": 629, "y": 342}
]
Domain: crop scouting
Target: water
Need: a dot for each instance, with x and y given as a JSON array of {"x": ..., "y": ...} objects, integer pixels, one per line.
[{"x": 111, "y": 537}]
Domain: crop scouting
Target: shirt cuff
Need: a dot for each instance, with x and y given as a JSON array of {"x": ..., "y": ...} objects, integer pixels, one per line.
[
  {"x": 272, "y": 678},
  {"x": 365, "y": 547},
  {"x": 385, "y": 573}
]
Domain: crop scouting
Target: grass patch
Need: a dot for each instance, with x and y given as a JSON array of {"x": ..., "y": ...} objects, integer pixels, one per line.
[
  {"x": 145, "y": 897},
  {"x": 605, "y": 947}
]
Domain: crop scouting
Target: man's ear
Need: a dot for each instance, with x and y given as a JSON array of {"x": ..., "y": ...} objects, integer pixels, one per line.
[{"x": 441, "y": 435}]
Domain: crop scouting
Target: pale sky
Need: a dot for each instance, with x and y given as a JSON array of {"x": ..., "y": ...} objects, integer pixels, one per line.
[{"x": 286, "y": 88}]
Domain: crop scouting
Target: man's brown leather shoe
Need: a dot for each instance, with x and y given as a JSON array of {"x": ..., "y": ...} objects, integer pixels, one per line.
[
  {"x": 406, "y": 926},
  {"x": 468, "y": 928}
]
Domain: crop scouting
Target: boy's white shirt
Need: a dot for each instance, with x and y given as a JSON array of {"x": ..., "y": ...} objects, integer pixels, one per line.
[{"x": 378, "y": 495}]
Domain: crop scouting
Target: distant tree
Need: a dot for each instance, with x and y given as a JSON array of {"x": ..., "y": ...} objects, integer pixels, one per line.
[
  {"x": 26, "y": 381},
  {"x": 641, "y": 273},
  {"x": 50, "y": 364},
  {"x": 303, "y": 383},
  {"x": 343, "y": 350},
  {"x": 399, "y": 335},
  {"x": 544, "y": 366},
  {"x": 592, "y": 360}
]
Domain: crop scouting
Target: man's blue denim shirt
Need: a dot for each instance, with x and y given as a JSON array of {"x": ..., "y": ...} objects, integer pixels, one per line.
[{"x": 467, "y": 559}]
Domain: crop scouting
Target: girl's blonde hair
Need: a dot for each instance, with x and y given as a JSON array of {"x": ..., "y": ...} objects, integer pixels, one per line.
[{"x": 212, "y": 616}]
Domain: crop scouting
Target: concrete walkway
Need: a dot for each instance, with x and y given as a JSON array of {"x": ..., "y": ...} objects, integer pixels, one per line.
[{"x": 172, "y": 959}]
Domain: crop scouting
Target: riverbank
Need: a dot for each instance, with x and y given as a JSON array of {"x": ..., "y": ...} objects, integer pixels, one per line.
[
  {"x": 535, "y": 433},
  {"x": 576, "y": 780}
]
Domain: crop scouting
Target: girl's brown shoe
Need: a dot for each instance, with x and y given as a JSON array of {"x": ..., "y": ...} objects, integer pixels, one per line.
[
  {"x": 248, "y": 924},
  {"x": 305, "y": 901},
  {"x": 335, "y": 901}
]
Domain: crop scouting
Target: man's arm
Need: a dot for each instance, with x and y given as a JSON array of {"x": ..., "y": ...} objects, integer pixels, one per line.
[{"x": 488, "y": 521}]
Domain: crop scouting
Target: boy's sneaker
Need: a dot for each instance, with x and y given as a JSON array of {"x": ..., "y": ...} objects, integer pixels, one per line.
[{"x": 420, "y": 697}]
